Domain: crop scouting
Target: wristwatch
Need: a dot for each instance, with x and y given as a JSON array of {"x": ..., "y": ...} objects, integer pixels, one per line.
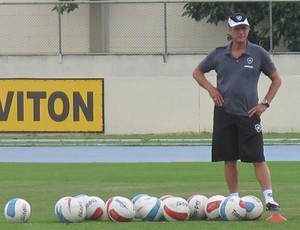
[{"x": 265, "y": 102}]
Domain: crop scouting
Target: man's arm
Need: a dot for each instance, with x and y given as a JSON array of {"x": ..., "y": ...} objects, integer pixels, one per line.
[
  {"x": 204, "y": 83},
  {"x": 276, "y": 83},
  {"x": 273, "y": 89}
]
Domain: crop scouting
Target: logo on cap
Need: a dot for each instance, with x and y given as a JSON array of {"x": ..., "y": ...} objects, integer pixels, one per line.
[{"x": 239, "y": 17}]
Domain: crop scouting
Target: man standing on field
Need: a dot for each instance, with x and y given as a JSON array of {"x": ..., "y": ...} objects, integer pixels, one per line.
[{"x": 237, "y": 133}]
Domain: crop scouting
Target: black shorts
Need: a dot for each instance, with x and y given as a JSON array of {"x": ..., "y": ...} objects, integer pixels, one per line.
[{"x": 236, "y": 137}]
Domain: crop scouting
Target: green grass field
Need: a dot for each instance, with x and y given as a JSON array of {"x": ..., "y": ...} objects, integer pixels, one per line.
[
  {"x": 163, "y": 139},
  {"x": 43, "y": 184}
]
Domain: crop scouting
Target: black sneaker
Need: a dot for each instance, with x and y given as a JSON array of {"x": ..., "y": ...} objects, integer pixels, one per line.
[{"x": 273, "y": 206}]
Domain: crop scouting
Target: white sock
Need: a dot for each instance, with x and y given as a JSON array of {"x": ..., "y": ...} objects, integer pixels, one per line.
[
  {"x": 234, "y": 194},
  {"x": 268, "y": 194}
]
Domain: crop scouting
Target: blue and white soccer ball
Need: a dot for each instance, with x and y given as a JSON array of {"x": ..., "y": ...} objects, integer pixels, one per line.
[
  {"x": 149, "y": 209},
  {"x": 83, "y": 198},
  {"x": 232, "y": 209},
  {"x": 139, "y": 197},
  {"x": 138, "y": 203},
  {"x": 254, "y": 207},
  {"x": 70, "y": 210},
  {"x": 17, "y": 210}
]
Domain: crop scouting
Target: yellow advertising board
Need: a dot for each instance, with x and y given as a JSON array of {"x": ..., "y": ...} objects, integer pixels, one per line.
[{"x": 51, "y": 105}]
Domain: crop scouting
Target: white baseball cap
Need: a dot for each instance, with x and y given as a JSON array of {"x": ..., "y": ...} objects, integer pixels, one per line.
[{"x": 237, "y": 19}]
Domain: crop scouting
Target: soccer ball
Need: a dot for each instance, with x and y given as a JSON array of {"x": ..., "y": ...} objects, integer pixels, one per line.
[
  {"x": 197, "y": 207},
  {"x": 17, "y": 210},
  {"x": 83, "y": 198},
  {"x": 176, "y": 209},
  {"x": 120, "y": 209},
  {"x": 95, "y": 208},
  {"x": 138, "y": 203},
  {"x": 57, "y": 208},
  {"x": 254, "y": 207},
  {"x": 165, "y": 197},
  {"x": 162, "y": 199},
  {"x": 150, "y": 209},
  {"x": 212, "y": 207},
  {"x": 70, "y": 210},
  {"x": 138, "y": 198},
  {"x": 232, "y": 209}
]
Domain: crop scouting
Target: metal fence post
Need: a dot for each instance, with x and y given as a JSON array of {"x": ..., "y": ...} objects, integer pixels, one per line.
[
  {"x": 271, "y": 25},
  {"x": 165, "y": 33},
  {"x": 59, "y": 38}
]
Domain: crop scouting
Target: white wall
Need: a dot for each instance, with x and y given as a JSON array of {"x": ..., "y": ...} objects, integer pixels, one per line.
[{"x": 145, "y": 95}]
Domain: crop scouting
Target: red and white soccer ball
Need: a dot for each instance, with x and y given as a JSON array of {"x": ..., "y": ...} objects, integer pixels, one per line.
[
  {"x": 254, "y": 207},
  {"x": 149, "y": 209},
  {"x": 197, "y": 207},
  {"x": 95, "y": 208},
  {"x": 164, "y": 197},
  {"x": 212, "y": 207},
  {"x": 232, "y": 209},
  {"x": 176, "y": 209},
  {"x": 120, "y": 209},
  {"x": 17, "y": 210},
  {"x": 70, "y": 210}
]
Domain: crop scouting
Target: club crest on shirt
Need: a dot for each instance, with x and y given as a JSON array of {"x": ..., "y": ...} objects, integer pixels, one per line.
[
  {"x": 250, "y": 60},
  {"x": 249, "y": 63},
  {"x": 258, "y": 128}
]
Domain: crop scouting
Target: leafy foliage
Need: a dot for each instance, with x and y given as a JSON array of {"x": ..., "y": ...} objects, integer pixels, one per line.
[
  {"x": 285, "y": 16},
  {"x": 65, "y": 7},
  {"x": 286, "y": 24}
]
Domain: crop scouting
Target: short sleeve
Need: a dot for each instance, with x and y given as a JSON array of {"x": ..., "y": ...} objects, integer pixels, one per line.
[
  {"x": 208, "y": 63},
  {"x": 268, "y": 66}
]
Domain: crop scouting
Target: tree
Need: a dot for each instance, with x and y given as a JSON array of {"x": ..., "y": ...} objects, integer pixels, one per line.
[
  {"x": 285, "y": 20},
  {"x": 65, "y": 7}
]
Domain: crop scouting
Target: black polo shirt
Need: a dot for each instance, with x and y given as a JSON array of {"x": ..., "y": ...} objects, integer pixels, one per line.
[{"x": 237, "y": 79}]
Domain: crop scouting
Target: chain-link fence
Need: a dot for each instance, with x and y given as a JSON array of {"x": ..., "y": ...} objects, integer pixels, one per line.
[{"x": 107, "y": 27}]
